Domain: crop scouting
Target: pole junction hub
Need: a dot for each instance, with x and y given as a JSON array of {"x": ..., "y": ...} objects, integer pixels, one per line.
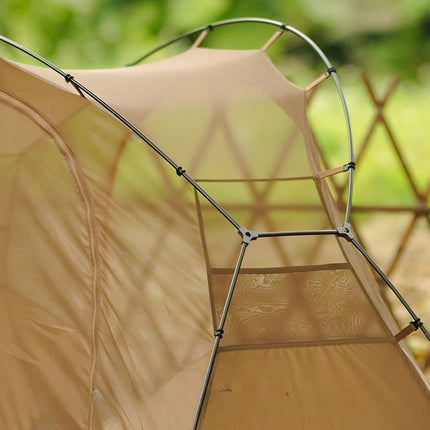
[{"x": 247, "y": 235}]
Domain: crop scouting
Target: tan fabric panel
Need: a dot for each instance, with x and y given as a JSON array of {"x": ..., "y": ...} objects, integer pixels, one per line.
[
  {"x": 93, "y": 326},
  {"x": 173, "y": 405},
  {"x": 354, "y": 387},
  {"x": 42, "y": 96},
  {"x": 46, "y": 298},
  {"x": 127, "y": 88},
  {"x": 221, "y": 124},
  {"x": 319, "y": 304},
  {"x": 155, "y": 323}
]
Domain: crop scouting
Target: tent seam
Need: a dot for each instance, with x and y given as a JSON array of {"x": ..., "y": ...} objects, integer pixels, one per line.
[
  {"x": 85, "y": 196},
  {"x": 308, "y": 344}
]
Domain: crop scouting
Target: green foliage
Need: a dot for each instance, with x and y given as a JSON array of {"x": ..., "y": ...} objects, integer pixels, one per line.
[{"x": 99, "y": 33}]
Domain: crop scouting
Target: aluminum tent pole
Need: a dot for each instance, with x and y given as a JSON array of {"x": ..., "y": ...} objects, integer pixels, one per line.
[{"x": 247, "y": 236}]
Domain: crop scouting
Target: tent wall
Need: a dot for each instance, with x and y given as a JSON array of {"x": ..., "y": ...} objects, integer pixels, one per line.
[{"x": 114, "y": 270}]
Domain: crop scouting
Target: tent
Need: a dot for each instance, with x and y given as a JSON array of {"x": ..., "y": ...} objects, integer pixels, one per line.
[{"x": 172, "y": 257}]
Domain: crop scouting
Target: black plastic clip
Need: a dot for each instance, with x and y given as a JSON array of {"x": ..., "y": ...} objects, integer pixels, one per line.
[
  {"x": 350, "y": 165},
  {"x": 180, "y": 171},
  {"x": 417, "y": 323},
  {"x": 219, "y": 332},
  {"x": 331, "y": 70},
  {"x": 69, "y": 79}
]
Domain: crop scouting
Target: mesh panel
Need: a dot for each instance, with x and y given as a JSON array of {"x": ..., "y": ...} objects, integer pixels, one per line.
[{"x": 310, "y": 305}]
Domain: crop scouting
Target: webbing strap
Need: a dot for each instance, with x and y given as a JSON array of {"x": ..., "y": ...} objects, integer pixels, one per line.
[
  {"x": 316, "y": 82},
  {"x": 202, "y": 35},
  {"x": 410, "y": 328},
  {"x": 334, "y": 170},
  {"x": 321, "y": 78},
  {"x": 330, "y": 172},
  {"x": 272, "y": 39}
]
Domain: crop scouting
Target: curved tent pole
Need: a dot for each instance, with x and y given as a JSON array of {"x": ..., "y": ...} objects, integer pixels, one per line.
[
  {"x": 207, "y": 27},
  {"x": 331, "y": 71}
]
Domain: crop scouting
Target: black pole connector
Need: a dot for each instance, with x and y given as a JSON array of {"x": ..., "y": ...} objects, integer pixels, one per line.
[
  {"x": 331, "y": 70},
  {"x": 69, "y": 79},
  {"x": 350, "y": 165},
  {"x": 180, "y": 171},
  {"x": 417, "y": 323},
  {"x": 219, "y": 332}
]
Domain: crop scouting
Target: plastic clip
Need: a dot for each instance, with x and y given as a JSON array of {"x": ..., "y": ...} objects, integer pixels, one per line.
[
  {"x": 219, "y": 332},
  {"x": 417, "y": 323},
  {"x": 350, "y": 165},
  {"x": 180, "y": 171},
  {"x": 69, "y": 79}
]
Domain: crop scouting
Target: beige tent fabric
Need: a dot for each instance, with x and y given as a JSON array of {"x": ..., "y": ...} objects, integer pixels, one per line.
[
  {"x": 346, "y": 386},
  {"x": 114, "y": 271}
]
